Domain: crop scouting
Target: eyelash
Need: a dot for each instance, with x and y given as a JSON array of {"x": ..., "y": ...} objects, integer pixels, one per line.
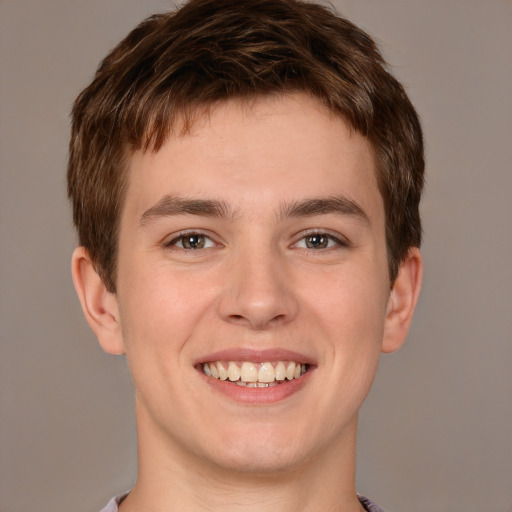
[
  {"x": 209, "y": 242},
  {"x": 338, "y": 240},
  {"x": 181, "y": 237}
]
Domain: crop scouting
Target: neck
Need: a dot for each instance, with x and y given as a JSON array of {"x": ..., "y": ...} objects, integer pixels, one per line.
[{"x": 172, "y": 478}]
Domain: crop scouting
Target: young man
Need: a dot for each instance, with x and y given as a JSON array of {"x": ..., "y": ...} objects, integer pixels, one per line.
[{"x": 245, "y": 178}]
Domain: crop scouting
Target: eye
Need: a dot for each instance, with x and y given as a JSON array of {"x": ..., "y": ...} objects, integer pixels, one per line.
[
  {"x": 191, "y": 241},
  {"x": 319, "y": 241}
]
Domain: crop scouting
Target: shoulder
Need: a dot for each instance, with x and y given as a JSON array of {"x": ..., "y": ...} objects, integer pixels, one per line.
[
  {"x": 369, "y": 505},
  {"x": 113, "y": 504}
]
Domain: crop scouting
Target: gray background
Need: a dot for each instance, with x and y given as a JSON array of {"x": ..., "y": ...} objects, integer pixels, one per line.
[{"x": 436, "y": 432}]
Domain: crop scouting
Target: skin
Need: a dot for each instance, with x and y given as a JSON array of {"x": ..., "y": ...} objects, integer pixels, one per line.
[{"x": 258, "y": 283}]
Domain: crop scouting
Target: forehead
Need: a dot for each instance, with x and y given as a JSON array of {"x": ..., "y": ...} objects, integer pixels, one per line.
[{"x": 276, "y": 149}]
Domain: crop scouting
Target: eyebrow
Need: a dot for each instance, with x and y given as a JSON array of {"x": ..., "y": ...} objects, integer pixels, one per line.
[
  {"x": 322, "y": 206},
  {"x": 170, "y": 206}
]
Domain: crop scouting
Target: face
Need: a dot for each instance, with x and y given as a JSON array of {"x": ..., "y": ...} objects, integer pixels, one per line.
[{"x": 252, "y": 285}]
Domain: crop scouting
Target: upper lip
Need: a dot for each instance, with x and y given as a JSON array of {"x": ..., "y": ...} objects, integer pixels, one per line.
[{"x": 255, "y": 356}]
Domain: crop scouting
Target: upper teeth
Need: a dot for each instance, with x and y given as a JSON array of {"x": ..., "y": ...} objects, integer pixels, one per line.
[{"x": 248, "y": 372}]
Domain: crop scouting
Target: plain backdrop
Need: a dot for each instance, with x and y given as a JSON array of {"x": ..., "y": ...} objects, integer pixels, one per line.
[{"x": 436, "y": 431}]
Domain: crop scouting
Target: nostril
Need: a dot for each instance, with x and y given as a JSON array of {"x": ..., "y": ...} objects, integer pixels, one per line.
[
  {"x": 238, "y": 319},
  {"x": 255, "y": 322},
  {"x": 256, "y": 308}
]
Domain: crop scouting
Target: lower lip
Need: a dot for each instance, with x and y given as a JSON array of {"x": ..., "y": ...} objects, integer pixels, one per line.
[{"x": 272, "y": 394}]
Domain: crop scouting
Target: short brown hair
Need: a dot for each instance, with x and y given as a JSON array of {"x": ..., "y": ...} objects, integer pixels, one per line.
[{"x": 175, "y": 65}]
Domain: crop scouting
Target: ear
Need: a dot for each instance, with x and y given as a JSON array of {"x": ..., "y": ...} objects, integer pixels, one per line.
[
  {"x": 402, "y": 301},
  {"x": 98, "y": 304}
]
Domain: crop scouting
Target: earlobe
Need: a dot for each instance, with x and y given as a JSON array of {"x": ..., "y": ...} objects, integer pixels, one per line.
[
  {"x": 98, "y": 304},
  {"x": 402, "y": 301}
]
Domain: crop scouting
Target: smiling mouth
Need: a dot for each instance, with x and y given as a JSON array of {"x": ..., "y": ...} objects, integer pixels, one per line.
[{"x": 255, "y": 375}]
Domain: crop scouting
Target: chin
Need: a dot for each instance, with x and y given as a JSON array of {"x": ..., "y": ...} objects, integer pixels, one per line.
[
  {"x": 261, "y": 461},
  {"x": 260, "y": 451}
]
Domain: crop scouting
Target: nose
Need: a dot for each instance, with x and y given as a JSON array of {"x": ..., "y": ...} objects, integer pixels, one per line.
[{"x": 258, "y": 291}]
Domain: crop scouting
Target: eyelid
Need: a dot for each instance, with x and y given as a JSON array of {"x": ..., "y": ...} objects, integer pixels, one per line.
[
  {"x": 341, "y": 241},
  {"x": 170, "y": 240}
]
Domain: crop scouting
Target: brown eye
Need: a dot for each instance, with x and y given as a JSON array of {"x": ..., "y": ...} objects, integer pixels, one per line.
[
  {"x": 191, "y": 241},
  {"x": 319, "y": 241}
]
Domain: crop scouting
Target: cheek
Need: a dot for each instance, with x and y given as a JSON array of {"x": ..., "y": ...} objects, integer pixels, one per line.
[
  {"x": 351, "y": 303},
  {"x": 160, "y": 312},
  {"x": 351, "y": 317},
  {"x": 159, "y": 317}
]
